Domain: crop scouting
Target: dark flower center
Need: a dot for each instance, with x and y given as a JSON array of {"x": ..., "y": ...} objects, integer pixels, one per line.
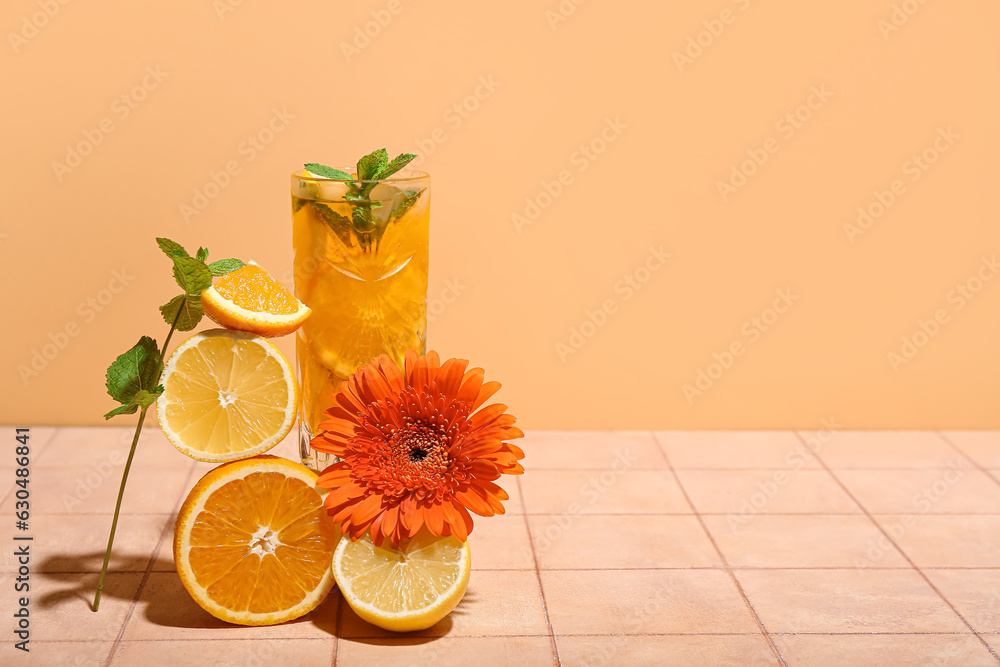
[{"x": 417, "y": 455}]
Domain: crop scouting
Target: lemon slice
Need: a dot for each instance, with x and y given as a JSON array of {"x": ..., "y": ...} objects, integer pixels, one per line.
[
  {"x": 227, "y": 395},
  {"x": 405, "y": 589},
  {"x": 253, "y": 542}
]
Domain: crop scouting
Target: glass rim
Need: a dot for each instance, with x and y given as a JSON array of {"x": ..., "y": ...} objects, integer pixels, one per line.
[{"x": 417, "y": 175}]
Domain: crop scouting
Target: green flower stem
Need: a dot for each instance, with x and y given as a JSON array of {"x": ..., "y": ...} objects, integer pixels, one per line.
[
  {"x": 118, "y": 505},
  {"x": 128, "y": 465}
]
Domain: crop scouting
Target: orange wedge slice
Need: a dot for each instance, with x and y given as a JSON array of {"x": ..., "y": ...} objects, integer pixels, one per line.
[{"x": 250, "y": 299}]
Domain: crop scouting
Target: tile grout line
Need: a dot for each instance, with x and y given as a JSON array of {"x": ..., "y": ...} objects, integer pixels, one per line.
[
  {"x": 538, "y": 574},
  {"x": 974, "y": 462},
  {"x": 48, "y": 441},
  {"x": 888, "y": 568},
  {"x": 493, "y": 636},
  {"x": 149, "y": 569},
  {"x": 725, "y": 562},
  {"x": 337, "y": 625},
  {"x": 897, "y": 547}
]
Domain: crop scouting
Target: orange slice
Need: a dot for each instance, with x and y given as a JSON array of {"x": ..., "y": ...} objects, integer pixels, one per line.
[
  {"x": 227, "y": 395},
  {"x": 250, "y": 299},
  {"x": 253, "y": 543}
]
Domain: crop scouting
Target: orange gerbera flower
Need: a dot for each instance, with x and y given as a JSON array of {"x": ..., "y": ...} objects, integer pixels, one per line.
[{"x": 415, "y": 449}]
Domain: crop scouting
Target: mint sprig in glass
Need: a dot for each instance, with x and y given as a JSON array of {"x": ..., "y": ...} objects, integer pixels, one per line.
[{"x": 366, "y": 217}]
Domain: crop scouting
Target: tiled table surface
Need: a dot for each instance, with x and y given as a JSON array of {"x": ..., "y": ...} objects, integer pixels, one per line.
[{"x": 619, "y": 548}]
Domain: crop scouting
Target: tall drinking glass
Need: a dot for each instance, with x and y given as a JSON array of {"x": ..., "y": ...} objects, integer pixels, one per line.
[{"x": 361, "y": 265}]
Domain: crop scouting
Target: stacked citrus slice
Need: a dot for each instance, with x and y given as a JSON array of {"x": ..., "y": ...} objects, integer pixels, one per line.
[
  {"x": 249, "y": 299},
  {"x": 253, "y": 543},
  {"x": 405, "y": 589},
  {"x": 227, "y": 395}
]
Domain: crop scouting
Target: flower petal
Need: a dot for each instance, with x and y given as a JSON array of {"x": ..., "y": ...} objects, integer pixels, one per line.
[
  {"x": 488, "y": 414},
  {"x": 455, "y": 521},
  {"x": 367, "y": 509},
  {"x": 343, "y": 495},
  {"x": 434, "y": 518},
  {"x": 449, "y": 378},
  {"x": 475, "y": 501},
  {"x": 471, "y": 386},
  {"x": 485, "y": 392}
]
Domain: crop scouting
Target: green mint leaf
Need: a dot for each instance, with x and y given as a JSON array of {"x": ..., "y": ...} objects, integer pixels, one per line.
[
  {"x": 122, "y": 410},
  {"x": 328, "y": 172},
  {"x": 410, "y": 198},
  {"x": 397, "y": 163},
  {"x": 202, "y": 254},
  {"x": 171, "y": 248},
  {"x": 185, "y": 309},
  {"x": 133, "y": 370},
  {"x": 330, "y": 217},
  {"x": 339, "y": 224},
  {"x": 144, "y": 398},
  {"x": 363, "y": 219},
  {"x": 192, "y": 275},
  {"x": 223, "y": 266},
  {"x": 372, "y": 164}
]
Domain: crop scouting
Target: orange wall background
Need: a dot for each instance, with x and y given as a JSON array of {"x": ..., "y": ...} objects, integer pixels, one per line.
[{"x": 739, "y": 137}]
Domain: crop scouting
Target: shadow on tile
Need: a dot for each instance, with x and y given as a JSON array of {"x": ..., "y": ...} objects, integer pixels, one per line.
[
  {"x": 166, "y": 611},
  {"x": 91, "y": 562}
]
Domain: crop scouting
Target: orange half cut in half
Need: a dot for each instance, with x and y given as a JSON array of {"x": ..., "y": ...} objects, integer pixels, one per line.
[{"x": 253, "y": 543}]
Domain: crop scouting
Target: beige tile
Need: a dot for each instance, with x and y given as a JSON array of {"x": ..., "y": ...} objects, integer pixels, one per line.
[
  {"x": 657, "y": 651},
  {"x": 959, "y": 490},
  {"x": 92, "y": 491},
  {"x": 77, "y": 654},
  {"x": 406, "y": 651},
  {"x": 994, "y": 641},
  {"x": 227, "y": 653},
  {"x": 512, "y": 485},
  {"x": 983, "y": 447},
  {"x": 7, "y": 481},
  {"x": 166, "y": 611},
  {"x": 591, "y": 450},
  {"x": 497, "y": 603},
  {"x": 59, "y": 605},
  {"x": 94, "y": 447},
  {"x": 849, "y": 600},
  {"x": 501, "y": 543},
  {"x": 744, "y": 493},
  {"x": 623, "y": 541},
  {"x": 735, "y": 450},
  {"x": 956, "y": 540},
  {"x": 801, "y": 541},
  {"x": 900, "y": 650},
  {"x": 974, "y": 593},
  {"x": 644, "y": 601},
  {"x": 607, "y": 492},
  {"x": 900, "y": 450},
  {"x": 77, "y": 543},
  {"x": 165, "y": 556}
]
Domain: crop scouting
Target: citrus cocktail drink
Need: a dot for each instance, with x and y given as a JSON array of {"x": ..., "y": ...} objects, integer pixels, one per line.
[{"x": 361, "y": 266}]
